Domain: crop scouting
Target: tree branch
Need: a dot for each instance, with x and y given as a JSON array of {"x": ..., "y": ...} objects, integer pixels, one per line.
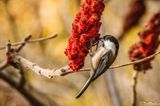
[
  {"x": 50, "y": 73},
  {"x": 32, "y": 100}
]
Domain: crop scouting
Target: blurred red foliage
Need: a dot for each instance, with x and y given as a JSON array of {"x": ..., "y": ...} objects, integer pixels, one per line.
[
  {"x": 148, "y": 44},
  {"x": 137, "y": 9}
]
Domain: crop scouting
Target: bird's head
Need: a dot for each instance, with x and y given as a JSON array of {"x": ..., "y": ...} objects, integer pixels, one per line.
[{"x": 110, "y": 42}]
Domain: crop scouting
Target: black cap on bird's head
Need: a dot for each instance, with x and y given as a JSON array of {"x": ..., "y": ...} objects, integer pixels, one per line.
[{"x": 112, "y": 39}]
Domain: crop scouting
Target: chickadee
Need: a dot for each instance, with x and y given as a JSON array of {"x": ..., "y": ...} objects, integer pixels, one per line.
[{"x": 102, "y": 59}]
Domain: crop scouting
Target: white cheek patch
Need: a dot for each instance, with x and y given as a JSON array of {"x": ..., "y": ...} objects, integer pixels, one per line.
[{"x": 110, "y": 45}]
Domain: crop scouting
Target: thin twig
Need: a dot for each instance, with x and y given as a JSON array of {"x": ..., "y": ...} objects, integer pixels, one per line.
[
  {"x": 135, "y": 82},
  {"x": 136, "y": 61},
  {"x": 32, "y": 41},
  {"x": 24, "y": 43},
  {"x": 32, "y": 100}
]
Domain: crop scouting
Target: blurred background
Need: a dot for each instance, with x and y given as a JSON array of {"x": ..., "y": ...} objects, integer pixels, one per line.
[{"x": 40, "y": 18}]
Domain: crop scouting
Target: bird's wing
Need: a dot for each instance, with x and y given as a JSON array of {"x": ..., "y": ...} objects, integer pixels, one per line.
[
  {"x": 104, "y": 64},
  {"x": 95, "y": 60}
]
